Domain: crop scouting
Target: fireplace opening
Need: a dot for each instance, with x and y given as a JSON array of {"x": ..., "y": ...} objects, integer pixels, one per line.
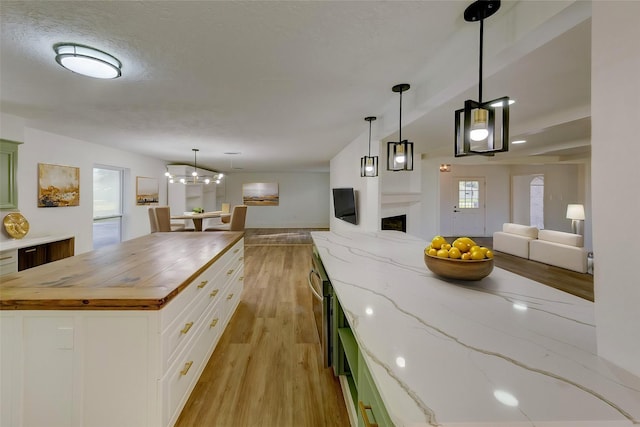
[{"x": 398, "y": 223}]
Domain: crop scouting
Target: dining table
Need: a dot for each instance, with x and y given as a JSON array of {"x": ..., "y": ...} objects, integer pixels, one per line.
[{"x": 198, "y": 218}]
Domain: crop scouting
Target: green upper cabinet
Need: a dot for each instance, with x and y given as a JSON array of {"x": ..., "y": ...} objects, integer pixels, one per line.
[{"x": 8, "y": 171}]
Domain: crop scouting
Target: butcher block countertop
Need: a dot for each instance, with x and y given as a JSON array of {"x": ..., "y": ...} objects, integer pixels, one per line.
[{"x": 140, "y": 274}]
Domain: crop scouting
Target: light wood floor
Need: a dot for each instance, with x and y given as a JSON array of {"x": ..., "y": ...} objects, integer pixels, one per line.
[{"x": 267, "y": 368}]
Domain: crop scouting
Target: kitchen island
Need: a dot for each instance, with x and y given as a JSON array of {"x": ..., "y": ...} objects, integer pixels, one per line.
[
  {"x": 502, "y": 352},
  {"x": 117, "y": 336}
]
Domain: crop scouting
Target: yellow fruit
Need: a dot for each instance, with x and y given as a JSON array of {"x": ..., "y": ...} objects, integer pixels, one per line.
[
  {"x": 468, "y": 241},
  {"x": 483, "y": 250},
  {"x": 455, "y": 253},
  {"x": 477, "y": 255},
  {"x": 466, "y": 256},
  {"x": 489, "y": 253},
  {"x": 433, "y": 252},
  {"x": 437, "y": 242},
  {"x": 443, "y": 253},
  {"x": 446, "y": 246},
  {"x": 461, "y": 245},
  {"x": 426, "y": 250},
  {"x": 474, "y": 248}
]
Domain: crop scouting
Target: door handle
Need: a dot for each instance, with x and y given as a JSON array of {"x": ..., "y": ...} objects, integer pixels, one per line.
[
  {"x": 310, "y": 282},
  {"x": 456, "y": 210}
]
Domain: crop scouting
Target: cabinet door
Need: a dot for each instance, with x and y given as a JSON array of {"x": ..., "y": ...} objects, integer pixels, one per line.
[
  {"x": 8, "y": 180},
  {"x": 9, "y": 358},
  {"x": 32, "y": 257}
]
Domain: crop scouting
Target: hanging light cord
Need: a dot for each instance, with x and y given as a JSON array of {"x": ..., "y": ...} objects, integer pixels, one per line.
[
  {"x": 480, "y": 65},
  {"x": 400, "y": 119},
  {"x": 369, "y": 138}
]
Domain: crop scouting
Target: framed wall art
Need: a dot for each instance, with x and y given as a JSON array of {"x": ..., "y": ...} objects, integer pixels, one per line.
[
  {"x": 260, "y": 194},
  {"x": 146, "y": 191},
  {"x": 58, "y": 186}
]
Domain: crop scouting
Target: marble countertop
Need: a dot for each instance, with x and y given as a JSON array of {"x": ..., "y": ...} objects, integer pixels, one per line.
[{"x": 504, "y": 351}]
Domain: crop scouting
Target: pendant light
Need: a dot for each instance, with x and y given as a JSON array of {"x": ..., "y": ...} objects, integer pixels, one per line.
[
  {"x": 369, "y": 164},
  {"x": 206, "y": 176},
  {"x": 400, "y": 154},
  {"x": 482, "y": 128}
]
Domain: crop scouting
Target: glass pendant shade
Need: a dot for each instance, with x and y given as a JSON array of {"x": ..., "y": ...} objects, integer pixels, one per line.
[
  {"x": 481, "y": 129},
  {"x": 369, "y": 166}
]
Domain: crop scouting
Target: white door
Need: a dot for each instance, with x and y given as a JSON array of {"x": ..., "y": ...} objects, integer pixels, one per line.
[{"x": 469, "y": 208}]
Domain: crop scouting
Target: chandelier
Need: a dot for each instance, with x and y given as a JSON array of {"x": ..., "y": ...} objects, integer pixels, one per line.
[{"x": 197, "y": 176}]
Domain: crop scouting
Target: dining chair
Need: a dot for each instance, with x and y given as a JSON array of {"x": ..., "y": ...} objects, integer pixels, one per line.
[
  {"x": 236, "y": 223},
  {"x": 153, "y": 221},
  {"x": 225, "y": 217},
  {"x": 163, "y": 218}
]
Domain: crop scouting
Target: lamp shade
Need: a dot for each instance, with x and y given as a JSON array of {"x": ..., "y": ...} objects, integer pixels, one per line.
[{"x": 575, "y": 211}]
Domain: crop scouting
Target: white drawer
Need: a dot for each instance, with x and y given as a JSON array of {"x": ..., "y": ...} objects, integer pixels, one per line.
[
  {"x": 184, "y": 373},
  {"x": 8, "y": 257},
  {"x": 8, "y": 268},
  {"x": 233, "y": 295}
]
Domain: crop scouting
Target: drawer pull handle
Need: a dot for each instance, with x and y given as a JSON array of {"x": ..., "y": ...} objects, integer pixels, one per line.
[
  {"x": 229, "y": 272},
  {"x": 5, "y": 257},
  {"x": 241, "y": 278},
  {"x": 186, "y": 328},
  {"x": 365, "y": 417},
  {"x": 236, "y": 251},
  {"x": 214, "y": 322},
  {"x": 214, "y": 293},
  {"x": 229, "y": 296},
  {"x": 203, "y": 284},
  {"x": 186, "y": 368},
  {"x": 30, "y": 250},
  {"x": 241, "y": 258}
]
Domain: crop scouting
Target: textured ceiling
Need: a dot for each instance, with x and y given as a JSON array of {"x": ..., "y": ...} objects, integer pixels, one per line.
[{"x": 286, "y": 84}]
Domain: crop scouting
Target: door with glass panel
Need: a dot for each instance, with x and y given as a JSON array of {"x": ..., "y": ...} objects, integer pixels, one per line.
[
  {"x": 107, "y": 206},
  {"x": 469, "y": 208}
]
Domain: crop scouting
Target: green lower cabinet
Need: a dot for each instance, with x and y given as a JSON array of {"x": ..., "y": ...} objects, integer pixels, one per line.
[
  {"x": 348, "y": 361},
  {"x": 371, "y": 410}
]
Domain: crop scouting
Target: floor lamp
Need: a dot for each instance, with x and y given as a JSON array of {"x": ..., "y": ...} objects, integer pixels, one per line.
[{"x": 576, "y": 214}]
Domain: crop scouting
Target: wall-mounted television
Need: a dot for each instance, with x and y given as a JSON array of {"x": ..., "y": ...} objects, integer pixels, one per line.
[{"x": 344, "y": 204}]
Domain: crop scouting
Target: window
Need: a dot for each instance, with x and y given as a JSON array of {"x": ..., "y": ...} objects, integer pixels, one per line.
[
  {"x": 536, "y": 203},
  {"x": 468, "y": 194},
  {"x": 107, "y": 206}
]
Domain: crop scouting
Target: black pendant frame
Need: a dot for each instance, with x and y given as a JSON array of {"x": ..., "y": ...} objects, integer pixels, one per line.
[
  {"x": 395, "y": 148},
  {"x": 369, "y": 161},
  {"x": 498, "y": 139}
]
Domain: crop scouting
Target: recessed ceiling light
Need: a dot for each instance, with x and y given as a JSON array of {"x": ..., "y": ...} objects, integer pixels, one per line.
[
  {"x": 87, "y": 61},
  {"x": 519, "y": 141},
  {"x": 401, "y": 362},
  {"x": 499, "y": 104}
]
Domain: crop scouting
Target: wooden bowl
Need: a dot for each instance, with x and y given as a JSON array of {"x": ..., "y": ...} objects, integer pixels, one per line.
[{"x": 459, "y": 269}]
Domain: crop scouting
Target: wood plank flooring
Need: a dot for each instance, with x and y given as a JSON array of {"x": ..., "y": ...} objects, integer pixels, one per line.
[{"x": 267, "y": 369}]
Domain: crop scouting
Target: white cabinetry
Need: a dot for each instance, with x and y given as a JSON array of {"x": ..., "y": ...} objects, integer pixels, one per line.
[{"x": 125, "y": 368}]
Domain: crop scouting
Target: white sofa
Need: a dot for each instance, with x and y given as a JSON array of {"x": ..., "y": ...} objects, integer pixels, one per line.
[
  {"x": 560, "y": 249},
  {"x": 514, "y": 239}
]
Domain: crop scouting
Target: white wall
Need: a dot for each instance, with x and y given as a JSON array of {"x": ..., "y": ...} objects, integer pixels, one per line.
[
  {"x": 43, "y": 147},
  {"x": 345, "y": 172},
  {"x": 496, "y": 195},
  {"x": 615, "y": 90},
  {"x": 304, "y": 199}
]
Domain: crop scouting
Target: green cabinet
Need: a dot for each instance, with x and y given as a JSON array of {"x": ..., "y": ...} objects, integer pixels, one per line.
[
  {"x": 348, "y": 361},
  {"x": 8, "y": 171}
]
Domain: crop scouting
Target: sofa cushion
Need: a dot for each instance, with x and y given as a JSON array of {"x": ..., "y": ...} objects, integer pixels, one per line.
[
  {"x": 558, "y": 254},
  {"x": 521, "y": 230},
  {"x": 561, "y": 237},
  {"x": 510, "y": 243}
]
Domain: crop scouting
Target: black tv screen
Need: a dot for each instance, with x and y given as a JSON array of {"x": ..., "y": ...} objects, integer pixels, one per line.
[{"x": 344, "y": 204}]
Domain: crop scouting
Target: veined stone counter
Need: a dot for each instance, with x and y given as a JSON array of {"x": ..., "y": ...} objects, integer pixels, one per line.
[{"x": 504, "y": 351}]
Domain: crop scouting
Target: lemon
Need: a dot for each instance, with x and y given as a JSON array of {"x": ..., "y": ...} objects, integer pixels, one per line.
[
  {"x": 446, "y": 246},
  {"x": 437, "y": 242},
  {"x": 433, "y": 252},
  {"x": 461, "y": 245},
  {"x": 454, "y": 253},
  {"x": 466, "y": 256},
  {"x": 442, "y": 253},
  {"x": 468, "y": 241},
  {"x": 489, "y": 253},
  {"x": 477, "y": 255}
]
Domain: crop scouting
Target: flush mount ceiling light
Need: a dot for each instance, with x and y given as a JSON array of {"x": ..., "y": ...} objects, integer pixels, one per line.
[
  {"x": 480, "y": 128},
  {"x": 400, "y": 154},
  {"x": 369, "y": 164},
  {"x": 197, "y": 175},
  {"x": 87, "y": 61}
]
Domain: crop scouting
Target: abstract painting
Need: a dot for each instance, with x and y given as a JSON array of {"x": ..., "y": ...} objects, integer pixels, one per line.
[
  {"x": 58, "y": 186},
  {"x": 260, "y": 194},
  {"x": 146, "y": 191}
]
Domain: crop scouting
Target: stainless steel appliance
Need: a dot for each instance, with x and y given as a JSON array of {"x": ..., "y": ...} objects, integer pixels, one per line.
[{"x": 322, "y": 305}]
